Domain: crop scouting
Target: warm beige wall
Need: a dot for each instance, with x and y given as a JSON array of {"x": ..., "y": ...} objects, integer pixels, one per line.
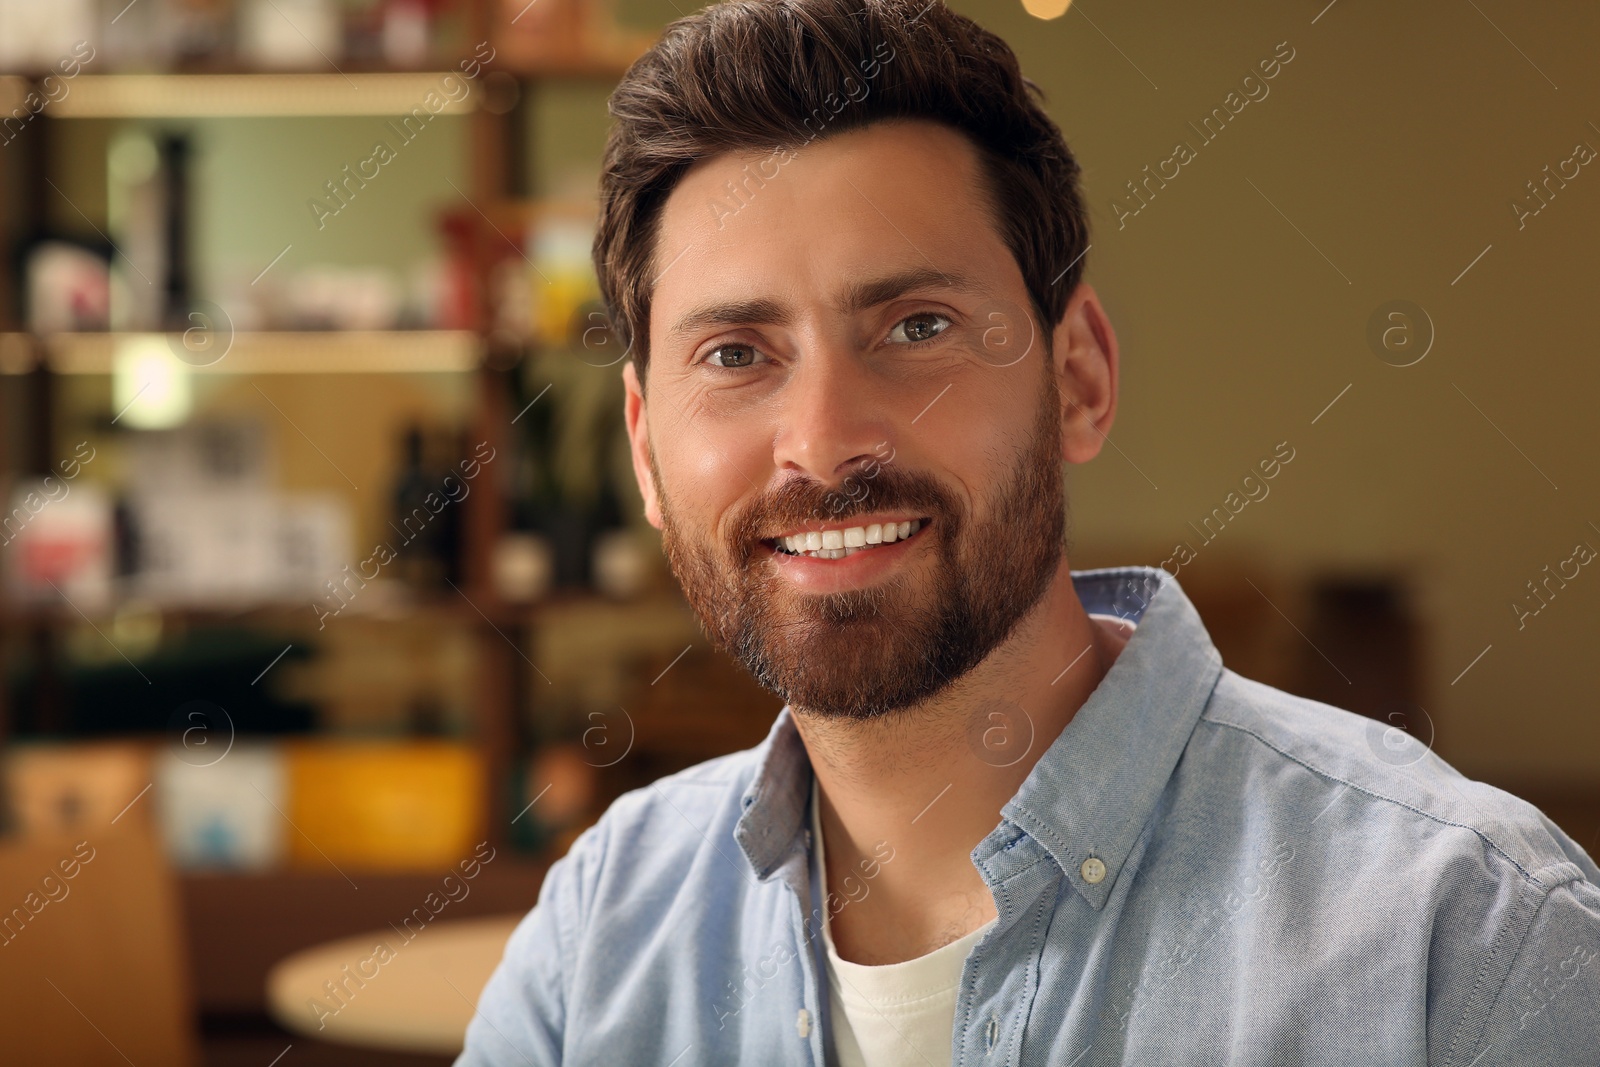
[{"x": 1395, "y": 140}]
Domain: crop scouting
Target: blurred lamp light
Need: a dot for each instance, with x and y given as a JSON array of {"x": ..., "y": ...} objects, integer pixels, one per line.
[
  {"x": 150, "y": 387},
  {"x": 1046, "y": 9}
]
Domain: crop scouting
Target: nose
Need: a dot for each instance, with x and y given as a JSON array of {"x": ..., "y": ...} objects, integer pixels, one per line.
[{"x": 833, "y": 416}]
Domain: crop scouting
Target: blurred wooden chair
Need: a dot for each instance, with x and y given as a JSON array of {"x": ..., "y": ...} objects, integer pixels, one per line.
[{"x": 93, "y": 968}]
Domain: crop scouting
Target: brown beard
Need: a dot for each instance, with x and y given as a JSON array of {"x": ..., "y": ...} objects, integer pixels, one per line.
[{"x": 864, "y": 653}]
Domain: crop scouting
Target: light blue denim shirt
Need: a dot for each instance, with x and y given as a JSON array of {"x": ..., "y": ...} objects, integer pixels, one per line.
[{"x": 1283, "y": 883}]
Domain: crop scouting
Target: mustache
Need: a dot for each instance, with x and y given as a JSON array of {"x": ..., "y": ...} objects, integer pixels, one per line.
[{"x": 803, "y": 503}]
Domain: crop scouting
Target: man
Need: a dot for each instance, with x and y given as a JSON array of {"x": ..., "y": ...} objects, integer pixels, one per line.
[{"x": 1008, "y": 814}]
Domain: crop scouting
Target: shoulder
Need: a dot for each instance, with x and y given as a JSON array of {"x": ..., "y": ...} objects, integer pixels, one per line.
[
  {"x": 1476, "y": 899},
  {"x": 658, "y": 858},
  {"x": 652, "y": 842},
  {"x": 688, "y": 801},
  {"x": 1392, "y": 778}
]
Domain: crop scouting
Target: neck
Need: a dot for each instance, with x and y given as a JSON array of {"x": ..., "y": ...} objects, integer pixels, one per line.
[{"x": 929, "y": 782}]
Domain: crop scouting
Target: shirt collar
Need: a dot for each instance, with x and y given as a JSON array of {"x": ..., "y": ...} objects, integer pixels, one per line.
[
  {"x": 774, "y": 805},
  {"x": 1095, "y": 787}
]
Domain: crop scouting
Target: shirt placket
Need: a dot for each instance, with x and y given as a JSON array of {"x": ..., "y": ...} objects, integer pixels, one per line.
[
  {"x": 1001, "y": 980},
  {"x": 809, "y": 1024}
]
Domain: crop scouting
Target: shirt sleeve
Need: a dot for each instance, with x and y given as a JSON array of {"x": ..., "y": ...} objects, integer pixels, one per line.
[
  {"x": 521, "y": 1016},
  {"x": 1547, "y": 1010}
]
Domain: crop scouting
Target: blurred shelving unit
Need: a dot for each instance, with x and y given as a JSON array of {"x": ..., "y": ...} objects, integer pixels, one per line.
[
  {"x": 248, "y": 95},
  {"x": 495, "y": 201},
  {"x": 266, "y": 352}
]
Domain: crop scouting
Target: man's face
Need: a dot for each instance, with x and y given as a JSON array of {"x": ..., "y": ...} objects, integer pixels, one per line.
[{"x": 841, "y": 349}]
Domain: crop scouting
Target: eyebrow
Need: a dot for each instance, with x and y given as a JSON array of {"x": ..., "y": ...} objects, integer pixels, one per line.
[{"x": 858, "y": 296}]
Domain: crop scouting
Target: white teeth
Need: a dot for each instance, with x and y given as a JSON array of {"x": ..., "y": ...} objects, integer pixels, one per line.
[{"x": 837, "y": 544}]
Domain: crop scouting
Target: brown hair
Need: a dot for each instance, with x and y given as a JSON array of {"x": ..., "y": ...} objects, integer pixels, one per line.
[{"x": 777, "y": 74}]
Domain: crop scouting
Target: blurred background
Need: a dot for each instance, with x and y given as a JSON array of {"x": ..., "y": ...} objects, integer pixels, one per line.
[{"x": 328, "y": 617}]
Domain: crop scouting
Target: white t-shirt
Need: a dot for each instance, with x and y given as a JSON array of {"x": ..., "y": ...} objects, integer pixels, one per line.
[{"x": 898, "y": 1013}]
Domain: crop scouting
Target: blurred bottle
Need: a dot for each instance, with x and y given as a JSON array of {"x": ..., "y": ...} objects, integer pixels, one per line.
[
  {"x": 148, "y": 204},
  {"x": 457, "y": 304},
  {"x": 562, "y": 287},
  {"x": 522, "y": 567},
  {"x": 136, "y": 207},
  {"x": 174, "y": 152},
  {"x": 454, "y": 448},
  {"x": 420, "y": 557}
]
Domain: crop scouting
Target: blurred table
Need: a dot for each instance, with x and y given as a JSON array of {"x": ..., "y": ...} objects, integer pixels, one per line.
[{"x": 418, "y": 997}]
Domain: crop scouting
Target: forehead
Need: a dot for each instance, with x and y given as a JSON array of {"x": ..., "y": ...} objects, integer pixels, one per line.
[{"x": 799, "y": 223}]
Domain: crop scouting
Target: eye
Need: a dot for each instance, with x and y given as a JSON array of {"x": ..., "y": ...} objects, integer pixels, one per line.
[
  {"x": 918, "y": 328},
  {"x": 732, "y": 356}
]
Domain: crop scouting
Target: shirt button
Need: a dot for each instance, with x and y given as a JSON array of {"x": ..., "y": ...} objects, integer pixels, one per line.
[{"x": 1092, "y": 870}]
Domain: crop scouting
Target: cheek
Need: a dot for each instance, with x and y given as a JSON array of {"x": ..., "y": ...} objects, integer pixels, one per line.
[
  {"x": 982, "y": 439},
  {"x": 724, "y": 450},
  {"x": 705, "y": 471},
  {"x": 711, "y": 483},
  {"x": 712, "y": 467},
  {"x": 967, "y": 434}
]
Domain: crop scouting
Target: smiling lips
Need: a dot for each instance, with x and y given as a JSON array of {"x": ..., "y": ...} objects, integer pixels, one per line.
[{"x": 839, "y": 542}]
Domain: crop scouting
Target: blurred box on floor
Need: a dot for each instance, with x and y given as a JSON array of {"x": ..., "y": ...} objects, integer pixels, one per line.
[
  {"x": 258, "y": 806},
  {"x": 55, "y": 788},
  {"x": 224, "y": 809},
  {"x": 384, "y": 805}
]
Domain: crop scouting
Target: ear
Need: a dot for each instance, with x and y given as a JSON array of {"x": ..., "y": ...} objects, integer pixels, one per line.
[
  {"x": 1085, "y": 355},
  {"x": 638, "y": 423}
]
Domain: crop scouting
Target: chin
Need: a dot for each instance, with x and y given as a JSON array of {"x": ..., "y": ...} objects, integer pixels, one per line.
[{"x": 862, "y": 669}]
